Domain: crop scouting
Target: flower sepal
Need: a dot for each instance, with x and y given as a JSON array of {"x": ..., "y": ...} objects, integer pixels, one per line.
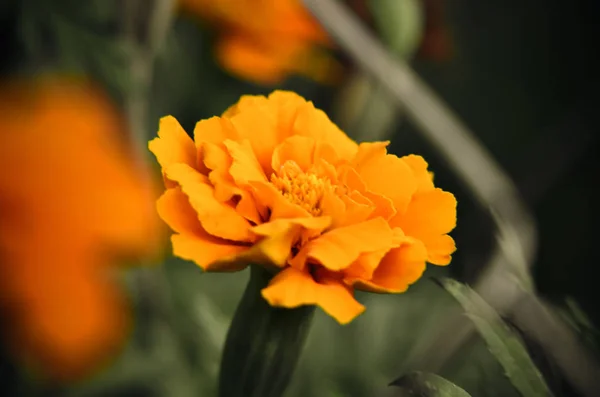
[{"x": 263, "y": 343}]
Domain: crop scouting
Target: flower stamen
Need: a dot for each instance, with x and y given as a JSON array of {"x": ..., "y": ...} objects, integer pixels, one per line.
[{"x": 305, "y": 189}]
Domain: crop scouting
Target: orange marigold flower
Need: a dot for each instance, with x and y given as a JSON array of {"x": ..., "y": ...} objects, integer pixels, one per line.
[
  {"x": 273, "y": 181},
  {"x": 69, "y": 201},
  {"x": 264, "y": 41}
]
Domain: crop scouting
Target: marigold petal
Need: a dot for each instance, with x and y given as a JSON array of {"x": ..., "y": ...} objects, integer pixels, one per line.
[
  {"x": 214, "y": 130},
  {"x": 350, "y": 178},
  {"x": 399, "y": 268},
  {"x": 332, "y": 205},
  {"x": 217, "y": 159},
  {"x": 315, "y": 123},
  {"x": 173, "y": 145},
  {"x": 283, "y": 233},
  {"x": 244, "y": 167},
  {"x": 386, "y": 174},
  {"x": 259, "y": 126},
  {"x": 174, "y": 208},
  {"x": 217, "y": 162},
  {"x": 384, "y": 207},
  {"x": 357, "y": 209},
  {"x": 208, "y": 252},
  {"x": 274, "y": 250},
  {"x": 440, "y": 249},
  {"x": 218, "y": 219},
  {"x": 429, "y": 213},
  {"x": 292, "y": 288},
  {"x": 193, "y": 242},
  {"x": 419, "y": 167},
  {"x": 286, "y": 100},
  {"x": 364, "y": 267},
  {"x": 326, "y": 152},
  {"x": 285, "y": 104},
  {"x": 249, "y": 208},
  {"x": 317, "y": 224},
  {"x": 271, "y": 252},
  {"x": 368, "y": 151},
  {"x": 347, "y": 209},
  {"x": 246, "y": 102},
  {"x": 338, "y": 248},
  {"x": 268, "y": 196},
  {"x": 299, "y": 149},
  {"x": 215, "y": 156}
]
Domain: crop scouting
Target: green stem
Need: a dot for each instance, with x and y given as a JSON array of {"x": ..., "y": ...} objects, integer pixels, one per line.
[{"x": 263, "y": 344}]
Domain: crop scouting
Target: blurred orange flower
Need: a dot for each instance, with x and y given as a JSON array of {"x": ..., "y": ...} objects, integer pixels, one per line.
[
  {"x": 273, "y": 181},
  {"x": 264, "y": 41},
  {"x": 70, "y": 201}
]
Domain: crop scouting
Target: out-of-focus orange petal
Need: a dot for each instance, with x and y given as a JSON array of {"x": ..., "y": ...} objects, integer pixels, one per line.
[
  {"x": 72, "y": 201},
  {"x": 66, "y": 325},
  {"x": 292, "y": 288},
  {"x": 277, "y": 41},
  {"x": 399, "y": 268},
  {"x": 243, "y": 58},
  {"x": 338, "y": 248},
  {"x": 218, "y": 219}
]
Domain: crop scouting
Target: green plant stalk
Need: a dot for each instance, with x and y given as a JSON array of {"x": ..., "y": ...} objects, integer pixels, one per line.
[{"x": 263, "y": 344}]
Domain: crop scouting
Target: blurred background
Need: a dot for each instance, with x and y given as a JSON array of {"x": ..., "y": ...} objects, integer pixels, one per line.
[{"x": 521, "y": 74}]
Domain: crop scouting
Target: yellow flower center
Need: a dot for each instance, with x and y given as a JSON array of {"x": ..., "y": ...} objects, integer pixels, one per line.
[{"x": 302, "y": 188}]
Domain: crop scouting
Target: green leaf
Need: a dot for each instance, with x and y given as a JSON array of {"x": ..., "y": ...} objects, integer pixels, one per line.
[
  {"x": 423, "y": 384},
  {"x": 503, "y": 343}
]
